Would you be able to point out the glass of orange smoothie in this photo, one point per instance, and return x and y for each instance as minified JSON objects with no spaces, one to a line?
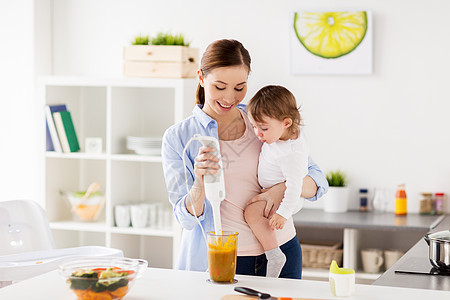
{"x":222,"y":254}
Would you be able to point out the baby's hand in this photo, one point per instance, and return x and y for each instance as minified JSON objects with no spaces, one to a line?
{"x":277,"y":222}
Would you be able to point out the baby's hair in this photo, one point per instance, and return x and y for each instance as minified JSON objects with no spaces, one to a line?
{"x":275,"y":102}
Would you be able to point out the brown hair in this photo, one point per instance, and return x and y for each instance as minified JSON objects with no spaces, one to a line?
{"x":275,"y":102}
{"x":221,"y":53}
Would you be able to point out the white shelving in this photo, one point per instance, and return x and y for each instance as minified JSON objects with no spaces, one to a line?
{"x":113,"y":109}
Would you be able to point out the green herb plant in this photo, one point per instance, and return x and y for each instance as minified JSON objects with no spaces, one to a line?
{"x":141,"y":40}
{"x":336,"y":178}
{"x":169,"y":40}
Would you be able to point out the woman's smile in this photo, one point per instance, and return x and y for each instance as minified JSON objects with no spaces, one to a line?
{"x":224,"y":106}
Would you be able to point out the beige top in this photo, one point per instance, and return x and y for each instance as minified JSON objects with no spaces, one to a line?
{"x":240,"y":166}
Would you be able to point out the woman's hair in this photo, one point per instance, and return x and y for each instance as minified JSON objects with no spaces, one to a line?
{"x":221,"y":53}
{"x":275,"y":102}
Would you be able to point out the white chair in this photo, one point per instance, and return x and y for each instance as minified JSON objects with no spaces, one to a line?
{"x":27,"y":248}
{"x":23,"y":227}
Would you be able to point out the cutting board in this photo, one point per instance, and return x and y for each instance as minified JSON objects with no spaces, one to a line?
{"x":244,"y":297}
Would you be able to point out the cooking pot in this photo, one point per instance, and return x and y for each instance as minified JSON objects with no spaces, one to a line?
{"x":439,"y":249}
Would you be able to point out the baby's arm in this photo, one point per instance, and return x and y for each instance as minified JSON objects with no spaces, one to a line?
{"x":294,"y":167}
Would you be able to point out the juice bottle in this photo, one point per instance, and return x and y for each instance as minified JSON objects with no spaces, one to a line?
{"x":400,"y":200}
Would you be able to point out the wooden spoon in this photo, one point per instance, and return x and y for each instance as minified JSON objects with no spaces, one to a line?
{"x":92,"y":188}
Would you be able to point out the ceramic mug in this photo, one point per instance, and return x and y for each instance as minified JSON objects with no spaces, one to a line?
{"x":391,"y":256}
{"x":152,"y":215}
{"x":122,"y":215}
{"x":139,"y":215}
{"x":372,"y":260}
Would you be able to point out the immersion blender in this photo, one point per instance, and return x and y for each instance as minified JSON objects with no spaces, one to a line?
{"x":214,"y":183}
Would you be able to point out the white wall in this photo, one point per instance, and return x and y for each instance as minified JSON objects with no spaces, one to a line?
{"x":18,"y":156}
{"x":382,"y":129}
{"x":25,"y":52}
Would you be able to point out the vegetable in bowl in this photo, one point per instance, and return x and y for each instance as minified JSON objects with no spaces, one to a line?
{"x":100,"y":283}
{"x":101,"y":278}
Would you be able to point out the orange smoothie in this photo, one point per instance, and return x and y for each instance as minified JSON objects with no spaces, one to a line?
{"x":222,"y":254}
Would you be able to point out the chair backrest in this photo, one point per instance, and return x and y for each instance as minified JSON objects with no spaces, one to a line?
{"x":23,"y":227}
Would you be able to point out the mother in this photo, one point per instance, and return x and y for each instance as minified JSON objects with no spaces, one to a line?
{"x":223,"y":76}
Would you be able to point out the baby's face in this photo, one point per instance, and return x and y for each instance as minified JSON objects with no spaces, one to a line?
{"x":270,"y":130}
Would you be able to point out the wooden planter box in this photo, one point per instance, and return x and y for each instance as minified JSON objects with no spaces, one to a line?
{"x":160,"y":61}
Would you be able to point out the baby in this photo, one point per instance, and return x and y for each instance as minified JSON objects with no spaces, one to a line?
{"x":275,"y":118}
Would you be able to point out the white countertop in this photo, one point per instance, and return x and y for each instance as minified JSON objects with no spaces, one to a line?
{"x":185,"y":285}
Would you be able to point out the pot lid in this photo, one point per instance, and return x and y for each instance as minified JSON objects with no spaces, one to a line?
{"x":440,"y":235}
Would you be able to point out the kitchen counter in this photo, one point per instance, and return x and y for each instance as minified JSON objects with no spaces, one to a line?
{"x":416,"y":256}
{"x":353,"y":222}
{"x":366,"y":220}
{"x":171,"y":284}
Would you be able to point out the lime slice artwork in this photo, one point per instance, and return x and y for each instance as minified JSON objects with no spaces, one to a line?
{"x":330,"y":34}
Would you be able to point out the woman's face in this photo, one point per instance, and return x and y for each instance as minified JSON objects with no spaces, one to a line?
{"x":224,"y":89}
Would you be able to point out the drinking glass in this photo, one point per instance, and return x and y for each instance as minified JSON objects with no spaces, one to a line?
{"x":222,"y":256}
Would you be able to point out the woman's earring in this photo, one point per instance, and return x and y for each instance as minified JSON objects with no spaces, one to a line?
{"x":200,"y":78}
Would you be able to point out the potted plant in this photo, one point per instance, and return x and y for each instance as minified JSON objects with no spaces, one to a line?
{"x":165,"y":55}
{"x":336,"y":199}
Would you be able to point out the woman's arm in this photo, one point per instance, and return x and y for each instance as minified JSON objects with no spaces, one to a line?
{"x":319,"y":186}
{"x":179,"y":177}
{"x":184,"y":179}
{"x":310,"y":187}
{"x":315,"y":185}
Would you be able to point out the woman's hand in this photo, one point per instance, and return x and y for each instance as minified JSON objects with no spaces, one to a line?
{"x":273,"y":197}
{"x":204,"y":163}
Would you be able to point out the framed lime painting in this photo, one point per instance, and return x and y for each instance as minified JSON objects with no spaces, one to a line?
{"x":331,"y":42}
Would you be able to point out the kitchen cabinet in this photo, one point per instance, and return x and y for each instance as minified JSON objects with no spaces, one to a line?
{"x":357,"y":230}
{"x":112,"y":109}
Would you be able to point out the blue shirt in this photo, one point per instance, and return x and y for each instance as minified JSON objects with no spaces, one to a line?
{"x":193,"y":250}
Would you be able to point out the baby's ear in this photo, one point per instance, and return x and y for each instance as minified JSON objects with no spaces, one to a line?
{"x":287,"y":122}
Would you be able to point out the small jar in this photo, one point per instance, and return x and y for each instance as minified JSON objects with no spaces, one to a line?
{"x":363,"y":200}
{"x":426,"y":204}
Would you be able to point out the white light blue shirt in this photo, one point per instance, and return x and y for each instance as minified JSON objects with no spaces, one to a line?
{"x":193,"y":251}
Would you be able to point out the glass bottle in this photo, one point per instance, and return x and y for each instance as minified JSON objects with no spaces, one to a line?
{"x":400,"y":200}
{"x":439,"y":205}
